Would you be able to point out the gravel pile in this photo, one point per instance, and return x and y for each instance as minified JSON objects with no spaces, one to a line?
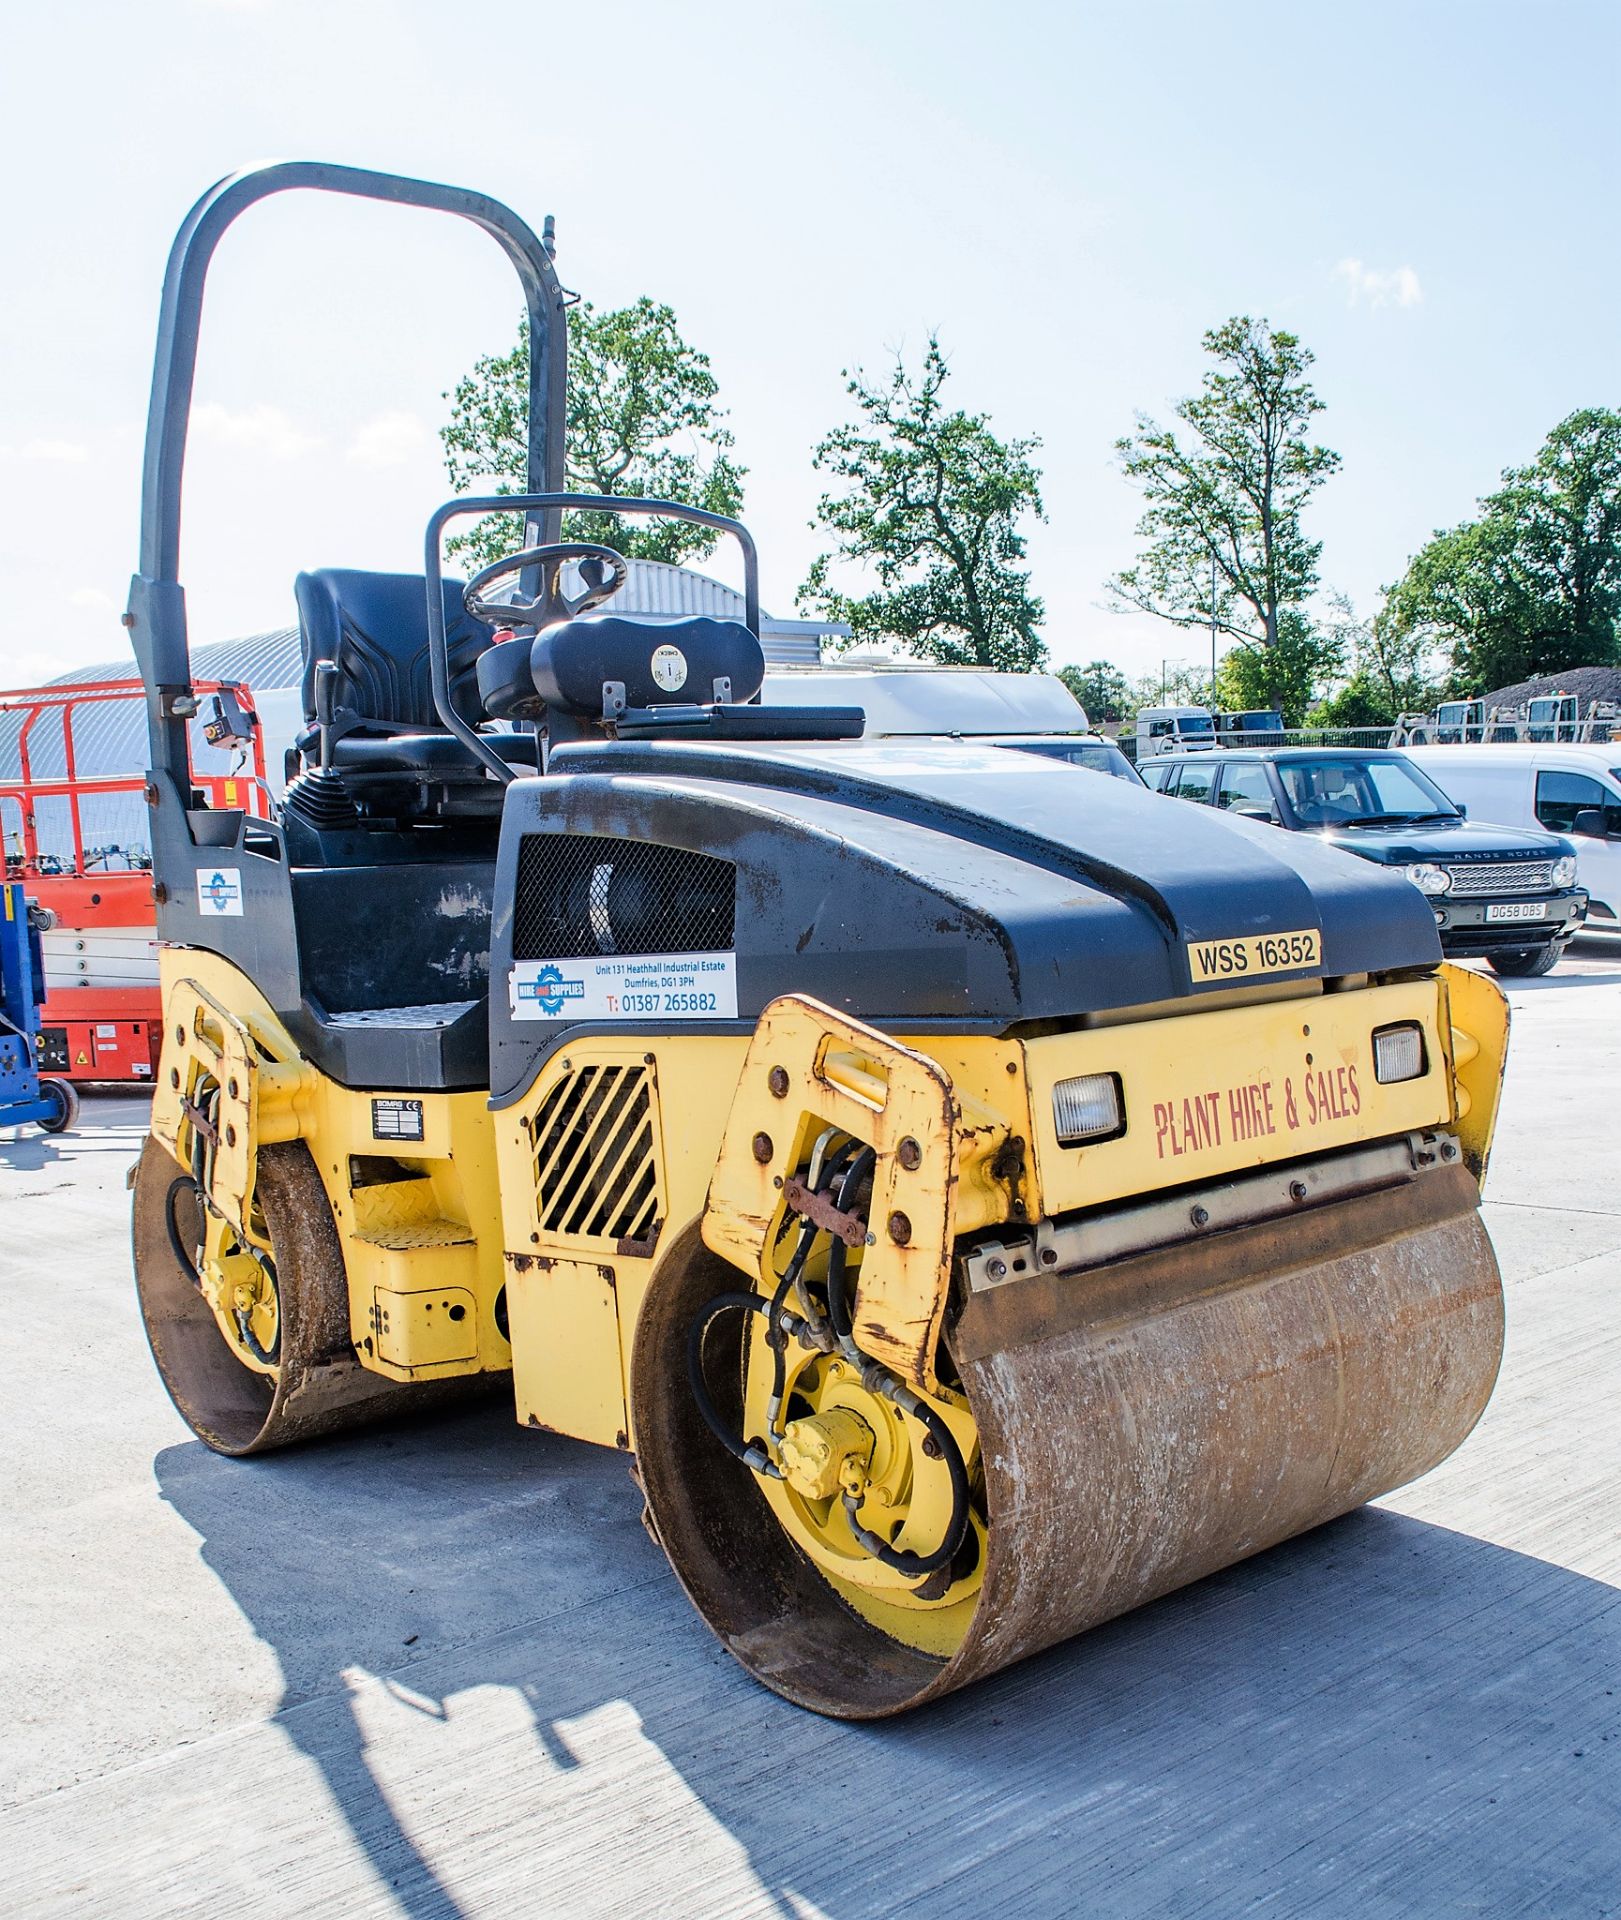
{"x":1587,"y":683}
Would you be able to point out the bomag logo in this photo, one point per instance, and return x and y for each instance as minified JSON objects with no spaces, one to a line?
{"x":549,"y":990}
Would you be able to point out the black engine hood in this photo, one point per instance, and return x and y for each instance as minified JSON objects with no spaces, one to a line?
{"x":951,"y":884}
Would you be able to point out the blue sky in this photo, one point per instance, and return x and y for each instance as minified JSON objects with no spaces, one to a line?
{"x":1070,"y":194}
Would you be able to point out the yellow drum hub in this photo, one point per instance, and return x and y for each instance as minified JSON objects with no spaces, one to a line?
{"x":840,"y":1436}
{"x":235,"y":1284}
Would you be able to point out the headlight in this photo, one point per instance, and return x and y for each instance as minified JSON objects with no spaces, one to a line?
{"x":1564,"y":871}
{"x":1398,"y":1054}
{"x":1089,"y":1107}
{"x":1429,"y":879}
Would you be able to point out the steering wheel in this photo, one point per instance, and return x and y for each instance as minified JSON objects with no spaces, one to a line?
{"x":603,"y":571}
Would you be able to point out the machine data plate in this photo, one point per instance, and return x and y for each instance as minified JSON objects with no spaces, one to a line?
{"x":396,"y":1119}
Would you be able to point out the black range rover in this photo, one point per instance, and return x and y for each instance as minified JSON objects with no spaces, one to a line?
{"x":1508,"y":893}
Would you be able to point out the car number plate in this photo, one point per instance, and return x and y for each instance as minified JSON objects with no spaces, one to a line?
{"x":1516,"y":910}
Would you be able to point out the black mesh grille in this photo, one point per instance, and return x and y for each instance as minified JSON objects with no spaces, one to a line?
{"x":581,"y":894}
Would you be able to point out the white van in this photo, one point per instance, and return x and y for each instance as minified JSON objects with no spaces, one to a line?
{"x":914,"y":699}
{"x":1575,"y":790}
{"x":1173,"y":730}
{"x":918,"y":697}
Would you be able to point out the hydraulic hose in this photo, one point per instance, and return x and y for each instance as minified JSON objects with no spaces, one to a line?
{"x":271,"y":1355}
{"x":838,"y":1309}
{"x":189,"y":1258}
{"x":848,"y":1167}
{"x":914,"y":1566}
{"x":752,"y":1456}
{"x":776,"y":1336}
{"x":781,"y":1325}
{"x":208,"y":1102}
{"x":819,"y":1179}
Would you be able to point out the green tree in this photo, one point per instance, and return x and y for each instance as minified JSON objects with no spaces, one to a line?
{"x":931,"y":504}
{"x":1223,"y":520}
{"x":1360,"y":702}
{"x":1402,"y":668}
{"x":1285,"y":675}
{"x":1101,"y":688}
{"x":1390,"y":673}
{"x":1533,"y":585}
{"x":642,"y":418}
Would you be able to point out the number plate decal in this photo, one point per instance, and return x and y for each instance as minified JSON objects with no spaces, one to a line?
{"x":1517,"y":910}
{"x":1254,"y":955}
{"x":656,"y":987}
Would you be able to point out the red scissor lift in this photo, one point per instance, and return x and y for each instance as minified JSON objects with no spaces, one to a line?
{"x":102,"y":1012}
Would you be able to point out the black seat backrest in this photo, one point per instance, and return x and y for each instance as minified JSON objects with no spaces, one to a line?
{"x":658,"y":662}
{"x":374,"y":628}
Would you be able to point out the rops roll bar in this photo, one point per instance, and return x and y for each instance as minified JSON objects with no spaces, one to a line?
{"x":551,"y":507}
{"x":157,"y":609}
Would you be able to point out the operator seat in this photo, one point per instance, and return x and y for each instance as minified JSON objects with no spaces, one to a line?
{"x":373,"y":627}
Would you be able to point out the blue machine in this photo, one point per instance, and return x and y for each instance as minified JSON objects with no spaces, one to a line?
{"x":24,"y":1096}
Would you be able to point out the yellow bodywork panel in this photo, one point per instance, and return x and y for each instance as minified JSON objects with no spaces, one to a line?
{"x":1477,"y":1046}
{"x":568,"y":1372}
{"x":1205,"y":1095}
{"x":250,"y":1077}
{"x":426,"y":1330}
{"x":566,"y":1197}
{"x":411,"y":1177}
{"x":610,"y":1145}
{"x":810,"y":1069}
{"x":1208,"y":1094}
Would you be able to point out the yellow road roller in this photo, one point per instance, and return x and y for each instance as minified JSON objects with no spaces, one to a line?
{"x":981,"y":1195}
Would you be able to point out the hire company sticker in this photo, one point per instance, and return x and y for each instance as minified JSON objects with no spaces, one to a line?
{"x":620,"y":986}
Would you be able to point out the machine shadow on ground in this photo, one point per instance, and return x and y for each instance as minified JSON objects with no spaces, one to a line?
{"x":105,"y":1114}
{"x":25,"y":1151}
{"x":1382,"y":1716}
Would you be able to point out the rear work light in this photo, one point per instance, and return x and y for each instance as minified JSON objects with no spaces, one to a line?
{"x":1089,"y":1107}
{"x":1398,"y":1054}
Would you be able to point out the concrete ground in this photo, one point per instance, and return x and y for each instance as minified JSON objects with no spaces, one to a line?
{"x":443,"y":1672}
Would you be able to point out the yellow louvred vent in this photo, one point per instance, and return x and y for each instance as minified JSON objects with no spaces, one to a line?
{"x":596,"y":1153}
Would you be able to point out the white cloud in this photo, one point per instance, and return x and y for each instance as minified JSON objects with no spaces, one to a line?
{"x":1379,"y":286}
{"x":391,"y":439}
{"x":261,"y":429}
{"x":30,"y":669}
{"x":65,"y":453}
{"x":94,"y":599}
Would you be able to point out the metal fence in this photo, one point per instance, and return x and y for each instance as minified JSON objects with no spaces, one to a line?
{"x":1371,"y":737}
